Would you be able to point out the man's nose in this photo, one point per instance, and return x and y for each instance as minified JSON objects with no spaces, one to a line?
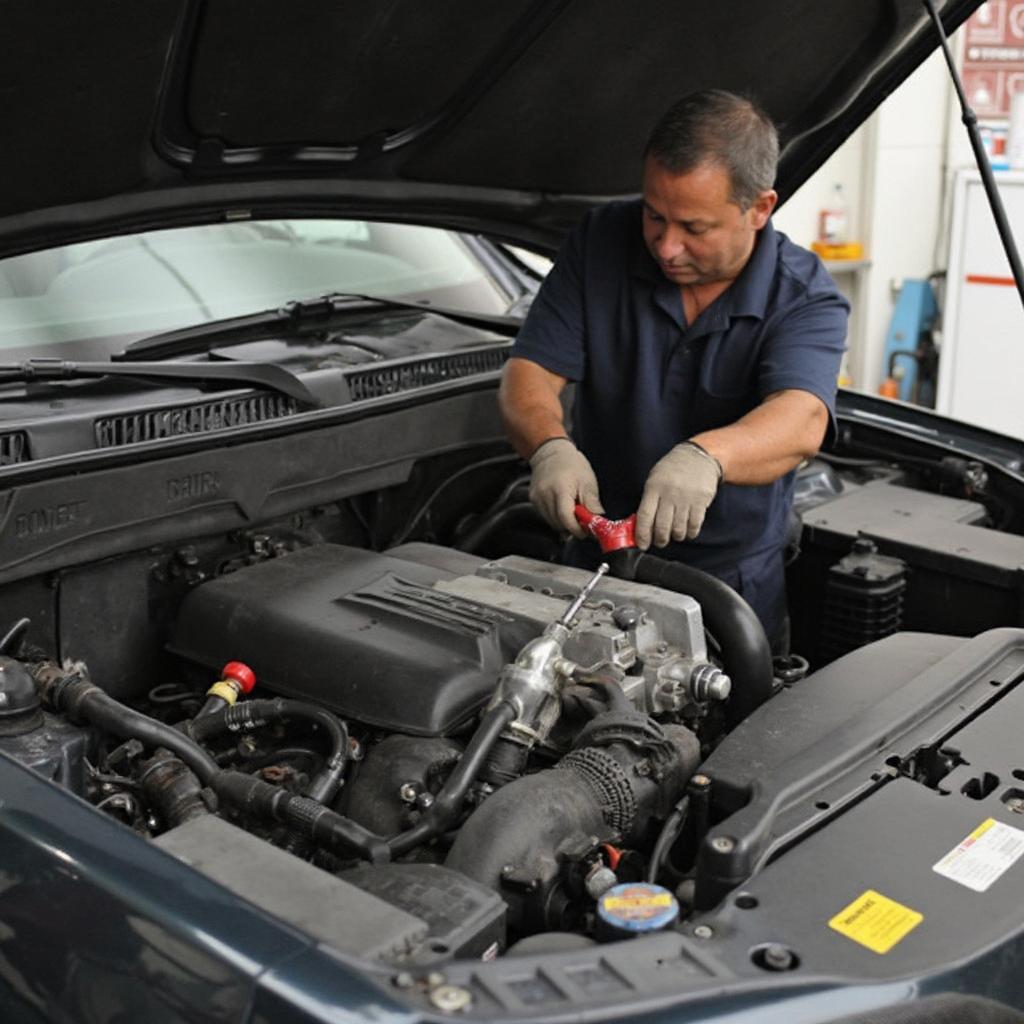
{"x":670,"y":244}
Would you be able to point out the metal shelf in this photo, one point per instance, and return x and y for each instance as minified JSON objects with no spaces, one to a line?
{"x":845,"y":266}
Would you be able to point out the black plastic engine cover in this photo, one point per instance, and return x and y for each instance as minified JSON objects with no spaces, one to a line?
{"x":359,"y":632}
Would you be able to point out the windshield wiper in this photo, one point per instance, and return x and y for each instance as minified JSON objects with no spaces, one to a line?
{"x":266,"y":375}
{"x":294,"y":315}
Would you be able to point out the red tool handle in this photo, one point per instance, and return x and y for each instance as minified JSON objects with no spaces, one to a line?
{"x":611,"y":534}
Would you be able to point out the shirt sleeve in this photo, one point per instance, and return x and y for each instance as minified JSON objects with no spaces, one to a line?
{"x":553,"y":333}
{"x":804,"y":351}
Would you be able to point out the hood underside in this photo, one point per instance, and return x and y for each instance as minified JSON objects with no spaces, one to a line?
{"x":503,"y":117}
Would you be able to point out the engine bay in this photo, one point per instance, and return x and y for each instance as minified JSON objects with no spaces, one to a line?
{"x":424,"y":751}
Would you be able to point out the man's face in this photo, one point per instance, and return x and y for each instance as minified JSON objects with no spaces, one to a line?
{"x":692,"y":229}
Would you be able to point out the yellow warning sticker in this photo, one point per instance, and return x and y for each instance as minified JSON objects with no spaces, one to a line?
{"x":876,"y":921}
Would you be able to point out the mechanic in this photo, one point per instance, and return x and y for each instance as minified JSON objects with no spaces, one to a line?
{"x":704,"y":347}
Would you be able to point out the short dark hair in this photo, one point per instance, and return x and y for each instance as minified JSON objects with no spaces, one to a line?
{"x":715,"y":126}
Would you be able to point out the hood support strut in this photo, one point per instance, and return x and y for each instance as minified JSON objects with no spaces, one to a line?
{"x":970,"y":120}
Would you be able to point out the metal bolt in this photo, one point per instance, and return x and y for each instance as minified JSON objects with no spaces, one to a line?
{"x":435,"y":978}
{"x":507,"y":870}
{"x":700,"y":780}
{"x":777,"y":957}
{"x":408,"y":792}
{"x":403,"y":980}
{"x":424,"y":800}
{"x":709,"y":682}
{"x":187,"y":556}
{"x":451,"y":998}
{"x":723,"y":844}
{"x":626,"y":617}
{"x":703,"y":931}
{"x":599,"y":881}
{"x":1016,"y":804}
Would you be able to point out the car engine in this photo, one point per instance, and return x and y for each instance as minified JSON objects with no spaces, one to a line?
{"x":463,"y":754}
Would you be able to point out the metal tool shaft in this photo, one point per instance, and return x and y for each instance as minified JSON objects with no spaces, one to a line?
{"x":573,"y":610}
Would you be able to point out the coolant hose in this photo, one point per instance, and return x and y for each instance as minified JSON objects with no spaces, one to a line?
{"x":83,"y":701}
{"x":746,"y":655}
{"x":307,"y":817}
{"x":253,"y":714}
{"x":500,"y":520}
{"x":448,"y":802}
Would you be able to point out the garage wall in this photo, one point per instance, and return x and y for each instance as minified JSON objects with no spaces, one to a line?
{"x":893,"y":170}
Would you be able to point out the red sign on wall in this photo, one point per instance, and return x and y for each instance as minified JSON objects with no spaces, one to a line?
{"x":994,"y":57}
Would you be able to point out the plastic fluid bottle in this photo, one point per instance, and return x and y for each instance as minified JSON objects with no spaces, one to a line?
{"x":833,"y":219}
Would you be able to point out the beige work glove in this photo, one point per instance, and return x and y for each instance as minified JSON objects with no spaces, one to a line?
{"x":562,"y":476}
{"x":678,"y":491}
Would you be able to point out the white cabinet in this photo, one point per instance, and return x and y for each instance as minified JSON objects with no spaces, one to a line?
{"x":981,"y":367}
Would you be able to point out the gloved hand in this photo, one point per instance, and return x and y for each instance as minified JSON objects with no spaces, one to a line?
{"x":562,"y":476}
{"x":678,"y":491}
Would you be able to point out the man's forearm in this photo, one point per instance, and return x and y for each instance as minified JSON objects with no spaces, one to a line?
{"x":531,"y":406}
{"x":770,"y":440}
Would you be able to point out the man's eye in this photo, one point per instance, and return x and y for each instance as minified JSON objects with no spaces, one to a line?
{"x":651,"y":215}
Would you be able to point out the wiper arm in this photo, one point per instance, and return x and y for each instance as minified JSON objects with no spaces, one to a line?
{"x":266,"y":375}
{"x":294,"y":315}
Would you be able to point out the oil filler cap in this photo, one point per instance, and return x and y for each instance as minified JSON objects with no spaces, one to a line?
{"x":635,"y":908}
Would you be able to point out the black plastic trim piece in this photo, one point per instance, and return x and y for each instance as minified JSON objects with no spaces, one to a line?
{"x":82,"y":516}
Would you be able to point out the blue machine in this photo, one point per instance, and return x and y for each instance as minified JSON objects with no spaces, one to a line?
{"x":912,"y":319}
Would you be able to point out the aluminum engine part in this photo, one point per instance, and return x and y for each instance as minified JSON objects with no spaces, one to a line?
{"x":654,"y":636}
{"x":533,"y":682}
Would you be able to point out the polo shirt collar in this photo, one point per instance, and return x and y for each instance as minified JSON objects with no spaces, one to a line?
{"x":749,"y":293}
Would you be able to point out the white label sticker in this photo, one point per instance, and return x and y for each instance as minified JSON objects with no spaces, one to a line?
{"x":983,"y":856}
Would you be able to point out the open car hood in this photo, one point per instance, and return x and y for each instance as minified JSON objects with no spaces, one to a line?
{"x":503,"y":117}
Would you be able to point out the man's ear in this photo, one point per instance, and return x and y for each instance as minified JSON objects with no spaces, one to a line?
{"x":761,"y":208}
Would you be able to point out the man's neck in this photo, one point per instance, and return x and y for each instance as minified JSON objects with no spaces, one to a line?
{"x":697,"y":297}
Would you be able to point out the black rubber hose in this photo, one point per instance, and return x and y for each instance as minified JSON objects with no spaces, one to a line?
{"x":13,"y":637}
{"x":746,"y":655}
{"x":83,"y":701}
{"x":667,"y":836}
{"x":448,"y":802}
{"x":304,"y":815}
{"x":501,"y":519}
{"x":253,"y":714}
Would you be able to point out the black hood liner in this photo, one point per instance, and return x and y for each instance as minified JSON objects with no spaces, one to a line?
{"x":149,"y":108}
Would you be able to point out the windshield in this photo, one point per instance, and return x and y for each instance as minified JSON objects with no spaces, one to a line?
{"x":136,"y":285}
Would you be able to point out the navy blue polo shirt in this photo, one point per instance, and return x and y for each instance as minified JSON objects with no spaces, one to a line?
{"x":607,"y":318}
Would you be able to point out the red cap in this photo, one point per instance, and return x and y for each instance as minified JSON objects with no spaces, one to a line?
{"x":611,"y":534}
{"x":241,"y":674}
